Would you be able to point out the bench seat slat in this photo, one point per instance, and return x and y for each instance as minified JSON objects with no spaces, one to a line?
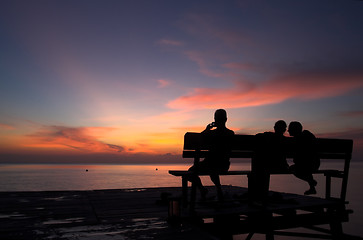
{"x":203,"y":154}
{"x":185,"y":173}
{"x":180,"y":173}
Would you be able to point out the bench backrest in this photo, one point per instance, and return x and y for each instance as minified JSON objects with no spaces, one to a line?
{"x":243,"y":147}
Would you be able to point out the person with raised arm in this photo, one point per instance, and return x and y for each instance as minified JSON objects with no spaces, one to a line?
{"x":218,"y":139}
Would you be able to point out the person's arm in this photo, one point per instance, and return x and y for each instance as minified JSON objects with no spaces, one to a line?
{"x":208,"y":127}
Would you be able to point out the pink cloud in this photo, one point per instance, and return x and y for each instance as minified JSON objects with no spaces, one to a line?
{"x":163,"y":83}
{"x":243,"y":94}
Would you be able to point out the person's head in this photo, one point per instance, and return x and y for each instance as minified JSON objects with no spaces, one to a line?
{"x":220,"y":117}
{"x":295,"y":129}
{"x":280,"y":127}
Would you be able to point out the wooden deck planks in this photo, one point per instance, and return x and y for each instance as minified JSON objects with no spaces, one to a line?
{"x":122,"y":213}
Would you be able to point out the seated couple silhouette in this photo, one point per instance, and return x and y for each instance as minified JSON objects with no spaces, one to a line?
{"x":270,"y":156}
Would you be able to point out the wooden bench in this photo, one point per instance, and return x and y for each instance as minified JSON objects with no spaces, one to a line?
{"x":243,"y":147}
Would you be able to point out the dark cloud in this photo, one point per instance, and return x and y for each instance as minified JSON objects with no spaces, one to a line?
{"x":116,"y":147}
{"x":351,"y":114}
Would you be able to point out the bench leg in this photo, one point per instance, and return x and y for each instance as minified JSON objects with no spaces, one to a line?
{"x":250,"y":235}
{"x":336,"y":229}
{"x":328,"y":186}
{"x":193,"y":196}
{"x":270,"y":236}
{"x":268,"y":227}
{"x":185,"y":191}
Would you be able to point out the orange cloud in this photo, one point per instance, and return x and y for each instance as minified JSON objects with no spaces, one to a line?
{"x":243,"y":94}
{"x":170,"y":117}
{"x":6,"y":126}
{"x":82,"y":138}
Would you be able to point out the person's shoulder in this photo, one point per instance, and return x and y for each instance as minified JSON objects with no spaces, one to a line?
{"x":265,"y":134}
{"x":308,"y":133}
{"x":225,"y":132}
{"x":231,"y":132}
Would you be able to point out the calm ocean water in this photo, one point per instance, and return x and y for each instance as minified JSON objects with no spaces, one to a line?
{"x":47,"y":177}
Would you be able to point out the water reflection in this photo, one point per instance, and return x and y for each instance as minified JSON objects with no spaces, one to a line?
{"x":42,"y":177}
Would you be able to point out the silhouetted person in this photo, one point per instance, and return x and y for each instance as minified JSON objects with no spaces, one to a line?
{"x":269,"y":157}
{"x":270,"y":149}
{"x":218,"y":138}
{"x":306,"y":159}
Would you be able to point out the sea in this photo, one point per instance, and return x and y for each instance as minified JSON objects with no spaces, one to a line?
{"x":54,"y":177}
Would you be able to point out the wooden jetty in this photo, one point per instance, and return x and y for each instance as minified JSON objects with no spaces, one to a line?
{"x":143,"y":214}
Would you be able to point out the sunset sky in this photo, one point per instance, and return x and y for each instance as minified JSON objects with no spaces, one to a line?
{"x":121,"y":81}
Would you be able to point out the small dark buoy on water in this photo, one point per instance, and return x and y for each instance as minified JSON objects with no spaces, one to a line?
{"x":86,"y":170}
{"x":156,"y":169}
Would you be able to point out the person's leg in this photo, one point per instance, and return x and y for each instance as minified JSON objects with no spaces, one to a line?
{"x":305,"y":175}
{"x":312,"y":183}
{"x":258,"y":180}
{"x":215,"y":179}
{"x":195,"y":179}
{"x":265,"y":185}
{"x":310,"y":179}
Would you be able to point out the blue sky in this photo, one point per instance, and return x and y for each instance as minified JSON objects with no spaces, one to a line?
{"x":125,"y":78}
